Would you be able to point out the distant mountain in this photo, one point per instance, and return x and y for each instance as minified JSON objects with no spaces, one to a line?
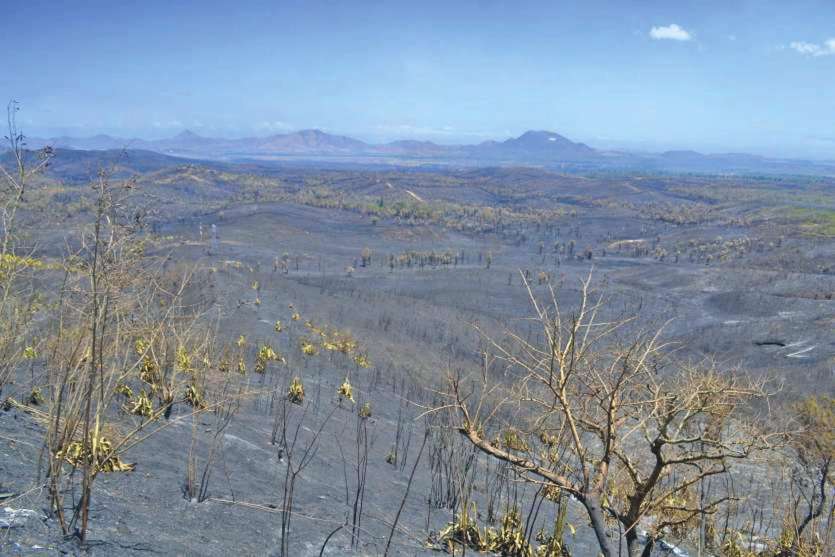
{"x":540,"y":148}
{"x":96,"y":143}
{"x":313,"y":142}
{"x":695,"y":158}
{"x":535,"y":146}
{"x":743,"y":163}
{"x":414,"y":148}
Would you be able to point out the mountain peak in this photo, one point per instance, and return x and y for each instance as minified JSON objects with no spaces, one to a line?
{"x":541,"y":136}
{"x":311,"y":141}
{"x":186,"y":134}
{"x":539,"y":145}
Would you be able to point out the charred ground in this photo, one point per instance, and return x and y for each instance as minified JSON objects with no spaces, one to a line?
{"x":738,"y":269}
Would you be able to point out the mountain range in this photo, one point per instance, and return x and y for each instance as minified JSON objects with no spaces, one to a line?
{"x":539,"y":148}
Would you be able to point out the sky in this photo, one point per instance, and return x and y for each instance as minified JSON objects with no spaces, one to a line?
{"x":710,"y":75}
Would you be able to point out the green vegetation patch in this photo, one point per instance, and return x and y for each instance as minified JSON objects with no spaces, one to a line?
{"x":815,"y":222}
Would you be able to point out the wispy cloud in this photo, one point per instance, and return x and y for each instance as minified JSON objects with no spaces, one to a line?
{"x":827,"y":48}
{"x":672,"y":32}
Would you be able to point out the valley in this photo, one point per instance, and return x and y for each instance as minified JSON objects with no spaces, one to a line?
{"x":423,"y":269}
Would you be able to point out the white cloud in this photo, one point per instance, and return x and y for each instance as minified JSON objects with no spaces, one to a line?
{"x":814,"y":49}
{"x":672,"y":32}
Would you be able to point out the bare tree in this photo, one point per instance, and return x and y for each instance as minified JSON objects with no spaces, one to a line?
{"x":17,"y":295}
{"x":809,"y":524}
{"x":584,"y":412}
{"x":114,"y":324}
{"x":297,"y":456}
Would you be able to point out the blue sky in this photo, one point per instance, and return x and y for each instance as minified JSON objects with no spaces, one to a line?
{"x":710,"y":75}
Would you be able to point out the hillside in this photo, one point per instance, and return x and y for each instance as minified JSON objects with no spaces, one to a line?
{"x":392,"y":280}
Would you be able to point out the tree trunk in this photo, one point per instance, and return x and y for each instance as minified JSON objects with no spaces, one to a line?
{"x":813,"y":511}
{"x":648,"y":547}
{"x":633,"y":545}
{"x":595,"y":512}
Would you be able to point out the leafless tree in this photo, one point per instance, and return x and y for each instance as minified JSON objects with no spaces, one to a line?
{"x":17,"y":295}
{"x":586,"y":413}
{"x":297,"y":455}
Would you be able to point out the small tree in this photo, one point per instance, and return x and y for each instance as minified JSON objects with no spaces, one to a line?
{"x":115,"y":325}
{"x":813,"y":477}
{"x":597,"y":418}
{"x":18,"y":298}
{"x":365,"y":256}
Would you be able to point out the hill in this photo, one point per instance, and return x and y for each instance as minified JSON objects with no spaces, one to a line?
{"x":533,"y":148}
